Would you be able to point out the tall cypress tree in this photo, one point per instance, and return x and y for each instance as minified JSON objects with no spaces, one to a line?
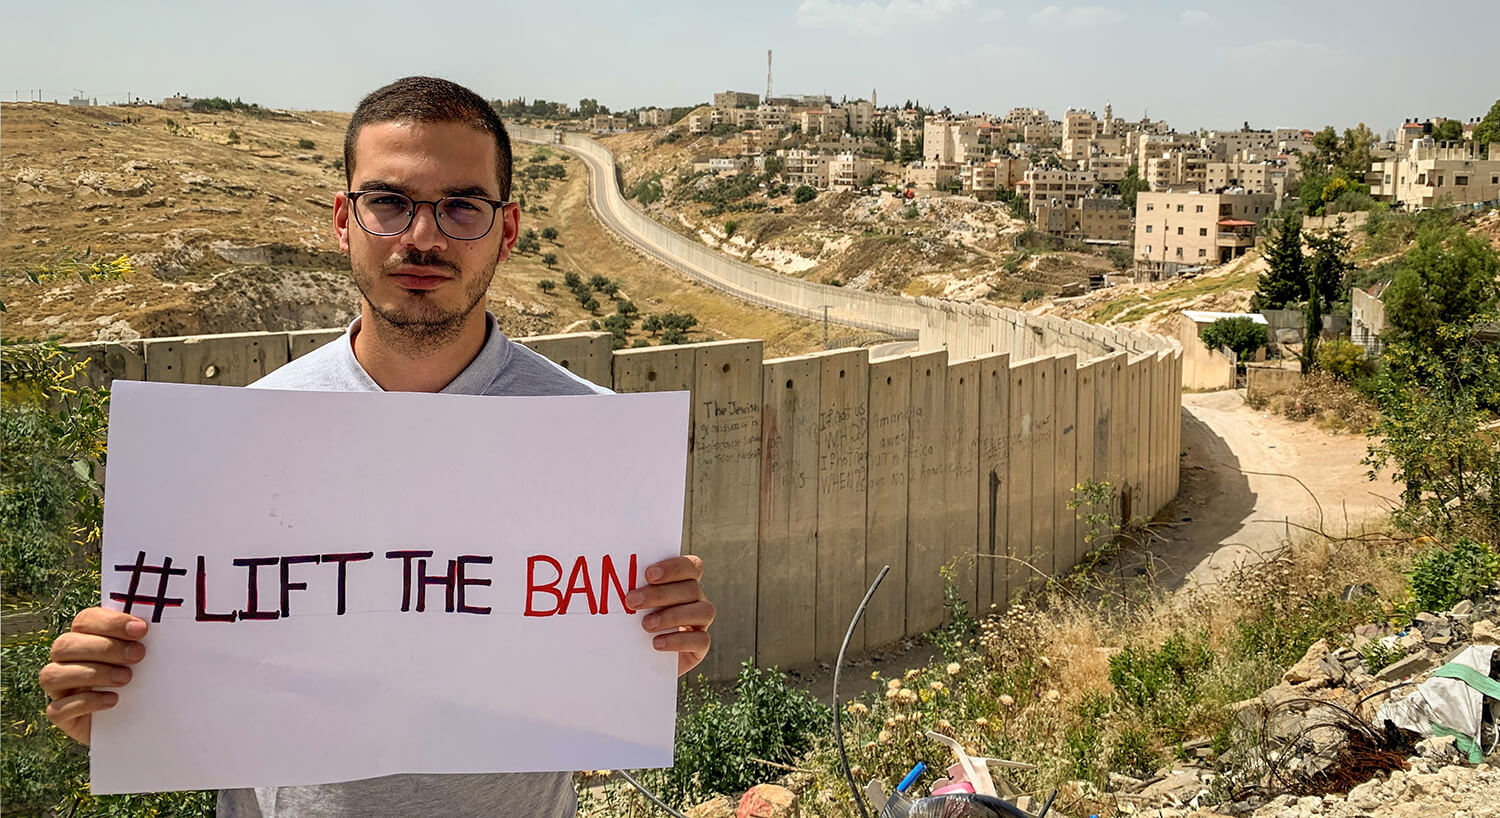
{"x":1285,"y":282}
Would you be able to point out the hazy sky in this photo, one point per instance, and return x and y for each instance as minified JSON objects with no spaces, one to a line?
{"x":1195,"y":63}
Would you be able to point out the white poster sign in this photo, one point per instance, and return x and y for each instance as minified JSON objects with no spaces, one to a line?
{"x":348,"y":585}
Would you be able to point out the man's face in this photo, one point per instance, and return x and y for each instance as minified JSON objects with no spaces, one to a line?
{"x":421,"y":281}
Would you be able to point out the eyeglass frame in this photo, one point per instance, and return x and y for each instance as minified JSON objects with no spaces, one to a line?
{"x":498,"y":206}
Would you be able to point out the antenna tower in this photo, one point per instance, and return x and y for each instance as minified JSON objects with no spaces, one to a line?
{"x":768,"y":76}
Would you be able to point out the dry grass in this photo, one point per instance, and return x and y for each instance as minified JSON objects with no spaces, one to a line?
{"x":1328,"y":402}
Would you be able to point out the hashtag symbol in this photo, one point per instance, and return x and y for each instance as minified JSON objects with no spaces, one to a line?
{"x":165,"y":571}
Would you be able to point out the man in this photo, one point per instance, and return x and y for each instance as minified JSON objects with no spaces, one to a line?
{"x":425,"y":223}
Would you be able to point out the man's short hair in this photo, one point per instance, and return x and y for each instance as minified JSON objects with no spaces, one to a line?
{"x":430,"y":100}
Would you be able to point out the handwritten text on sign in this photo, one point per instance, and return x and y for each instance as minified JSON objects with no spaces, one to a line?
{"x":346,"y":585}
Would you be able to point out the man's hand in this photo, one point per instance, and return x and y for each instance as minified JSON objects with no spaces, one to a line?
{"x":97,"y":652}
{"x":682,"y":611}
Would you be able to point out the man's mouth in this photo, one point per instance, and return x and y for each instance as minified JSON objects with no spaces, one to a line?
{"x":417,"y":277}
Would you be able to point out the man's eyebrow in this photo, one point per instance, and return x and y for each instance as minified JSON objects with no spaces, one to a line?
{"x":469,"y":190}
{"x":380,"y":184}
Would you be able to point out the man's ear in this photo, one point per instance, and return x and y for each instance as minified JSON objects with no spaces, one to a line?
{"x":510,"y":219}
{"x":341,"y":214}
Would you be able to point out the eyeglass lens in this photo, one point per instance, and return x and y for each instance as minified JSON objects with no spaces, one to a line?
{"x":460,"y":217}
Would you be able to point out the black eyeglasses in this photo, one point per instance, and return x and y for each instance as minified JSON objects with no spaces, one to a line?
{"x":387,"y":213}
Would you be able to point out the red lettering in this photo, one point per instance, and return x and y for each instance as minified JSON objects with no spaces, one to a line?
{"x":532,"y":588}
{"x":580,"y":571}
{"x":608,"y":576}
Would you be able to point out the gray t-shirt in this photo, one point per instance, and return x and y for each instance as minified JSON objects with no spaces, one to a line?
{"x":502,"y":367}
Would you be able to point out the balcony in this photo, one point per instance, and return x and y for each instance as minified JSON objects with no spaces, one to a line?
{"x":1235,"y":233}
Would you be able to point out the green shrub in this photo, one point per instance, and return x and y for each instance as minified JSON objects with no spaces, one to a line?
{"x":547,"y":285}
{"x":572,"y":280}
{"x":804,"y":194}
{"x":1141,"y":675}
{"x":1443,"y":577}
{"x":305,"y":144}
{"x":1344,"y":360}
{"x":1241,"y":334}
{"x":717,"y":743}
{"x":1132,"y":753}
{"x":1032,"y":294}
{"x":549,"y":233}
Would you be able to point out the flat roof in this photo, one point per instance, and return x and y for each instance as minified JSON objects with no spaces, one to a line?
{"x":1205,"y":317}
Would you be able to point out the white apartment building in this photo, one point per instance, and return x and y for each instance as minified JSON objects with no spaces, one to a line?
{"x":1225,"y":144}
{"x":1434,"y":174}
{"x":1185,"y":169}
{"x":1079,"y":129}
{"x":832,"y":121}
{"x":1107,"y":167}
{"x":759,"y":140}
{"x":775,"y":117}
{"x":1268,"y":176}
{"x":804,"y":167}
{"x":985,"y":176}
{"x":950,"y":140}
{"x":860,"y":115}
{"x":1176,"y":230}
{"x":609,"y":123}
{"x":654,"y":117}
{"x":848,"y":171}
{"x":930,"y":174}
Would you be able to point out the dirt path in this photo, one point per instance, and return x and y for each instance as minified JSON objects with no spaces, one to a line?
{"x":1231,"y":508}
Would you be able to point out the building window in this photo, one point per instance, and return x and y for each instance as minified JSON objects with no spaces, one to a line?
{"x":1179,"y":231}
{"x":1179,"y":208}
{"x":1148,"y":249}
{"x":1148,"y":228}
{"x":1200,"y":209}
{"x":1179,"y":252}
{"x":1461,"y":181}
{"x":1203,"y":231}
{"x":1202,"y":253}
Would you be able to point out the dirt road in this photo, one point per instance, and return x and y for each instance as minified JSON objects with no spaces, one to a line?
{"x":1231,"y":508}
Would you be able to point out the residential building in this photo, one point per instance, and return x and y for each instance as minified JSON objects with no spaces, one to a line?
{"x":654,"y":117}
{"x":1437,"y":174}
{"x":824,"y":121}
{"x":743,"y":117}
{"x":1092,"y":218}
{"x":1185,"y":169}
{"x":759,"y":140}
{"x":1107,"y":167}
{"x":775,"y":117}
{"x":1055,"y":187}
{"x":1266,"y":176}
{"x":930,"y":174}
{"x":1038,"y":133}
{"x":985,"y":176}
{"x":860,"y":114}
{"x":736,"y":99}
{"x":1021,"y":117}
{"x":1225,"y":144}
{"x":804,"y":167}
{"x":728,"y":164}
{"x":950,"y":140}
{"x":1149,"y":145}
{"x":908,"y":135}
{"x":608,"y":123}
{"x":176,"y":102}
{"x":1186,"y":229}
{"x":848,"y":171}
{"x":700,"y":123}
{"x":1079,"y":129}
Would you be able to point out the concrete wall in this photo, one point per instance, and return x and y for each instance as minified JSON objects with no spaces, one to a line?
{"x":1202,"y":368}
{"x":1265,"y":381}
{"x":807,"y":474}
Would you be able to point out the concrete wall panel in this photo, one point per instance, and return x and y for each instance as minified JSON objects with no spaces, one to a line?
{"x":726,"y":459}
{"x":1065,"y":539}
{"x":1087,"y":429}
{"x":585,"y":354}
{"x":961,"y":481}
{"x":1130,"y":462}
{"x":843,"y":444}
{"x":661,"y":369}
{"x":1021,"y":491}
{"x":301,"y":342}
{"x":234,"y":359}
{"x":1043,"y":551}
{"x":994,"y":481}
{"x":787,"y":611}
{"x":926,"y":523}
{"x":108,"y":361}
{"x":885,"y":503}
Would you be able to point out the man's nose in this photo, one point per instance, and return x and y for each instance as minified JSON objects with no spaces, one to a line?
{"x":423,"y":234}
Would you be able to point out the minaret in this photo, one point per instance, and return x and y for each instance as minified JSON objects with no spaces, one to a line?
{"x":873,"y":103}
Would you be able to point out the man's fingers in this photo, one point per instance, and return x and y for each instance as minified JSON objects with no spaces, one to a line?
{"x":661,"y":596}
{"x":58,"y":679}
{"x":104,"y":622}
{"x":694,"y":642}
{"x":84,"y":647}
{"x":69,"y":709}
{"x":698,"y":614}
{"x":675,"y":569}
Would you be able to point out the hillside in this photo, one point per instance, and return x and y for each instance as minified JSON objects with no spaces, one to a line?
{"x":236,"y":237}
{"x":938,"y":245}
